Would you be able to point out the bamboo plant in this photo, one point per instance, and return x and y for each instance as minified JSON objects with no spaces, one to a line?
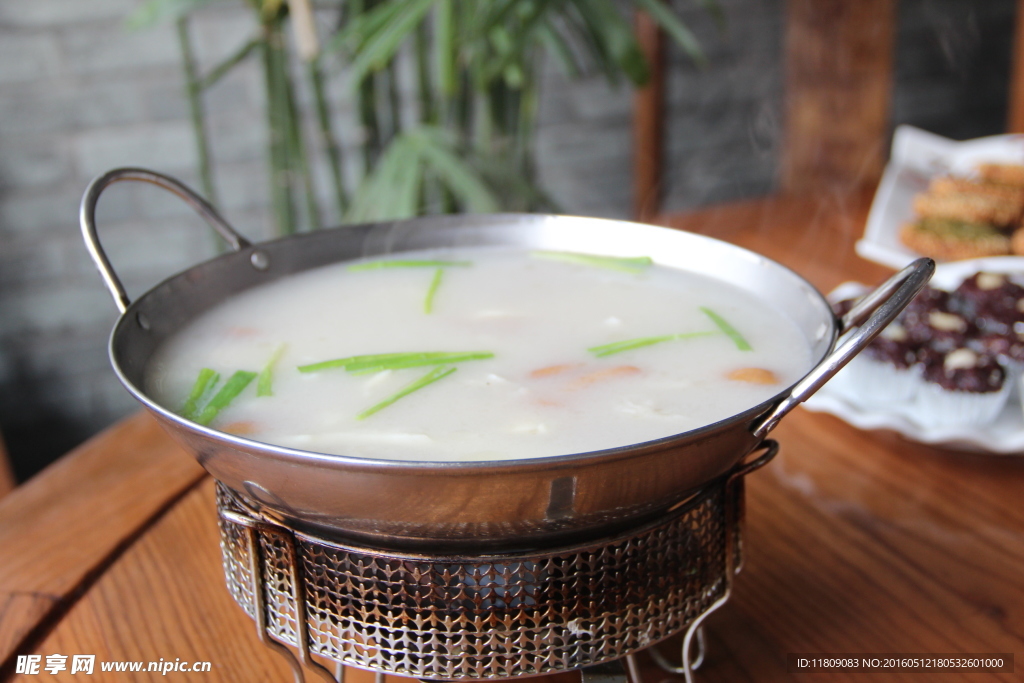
{"x":463,"y":141}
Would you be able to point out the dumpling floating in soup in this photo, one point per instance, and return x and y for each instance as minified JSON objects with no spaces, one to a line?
{"x":477,"y":354}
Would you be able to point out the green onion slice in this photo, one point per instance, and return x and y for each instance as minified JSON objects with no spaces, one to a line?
{"x":428,"y":302}
{"x":628,"y":265}
{"x":232,"y":388}
{"x":429,"y":378}
{"x":396,"y":361}
{"x":730,"y":331}
{"x":406,"y":263}
{"x":265,"y":380}
{"x":205,"y":382}
{"x":640,"y":342}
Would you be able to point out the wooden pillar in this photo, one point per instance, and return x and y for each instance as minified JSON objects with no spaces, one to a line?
{"x":1015,"y":120}
{"x":649,"y":123}
{"x":7,"y":482}
{"x":838,"y":85}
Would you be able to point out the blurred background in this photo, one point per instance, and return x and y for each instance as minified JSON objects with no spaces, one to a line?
{"x":526,"y":106}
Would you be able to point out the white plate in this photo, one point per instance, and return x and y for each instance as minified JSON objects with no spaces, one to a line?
{"x":1004,"y":436}
{"x":917,"y":156}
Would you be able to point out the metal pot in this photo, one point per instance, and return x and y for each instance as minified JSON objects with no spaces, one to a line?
{"x":525,"y":503}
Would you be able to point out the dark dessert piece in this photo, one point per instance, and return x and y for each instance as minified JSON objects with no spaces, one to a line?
{"x":894,"y":346}
{"x":933,"y":319}
{"x":993,"y":300}
{"x":1009,"y":346}
{"x":929,"y":299}
{"x":965,"y":370}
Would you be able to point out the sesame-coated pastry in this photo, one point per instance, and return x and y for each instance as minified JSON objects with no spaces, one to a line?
{"x":949,"y":240}
{"x":1006,"y":174}
{"x":946,"y":185}
{"x":969,"y":207}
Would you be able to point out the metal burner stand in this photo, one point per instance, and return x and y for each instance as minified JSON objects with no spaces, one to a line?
{"x":493,"y":616}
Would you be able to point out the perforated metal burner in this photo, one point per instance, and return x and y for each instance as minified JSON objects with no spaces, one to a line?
{"x":446,"y":617}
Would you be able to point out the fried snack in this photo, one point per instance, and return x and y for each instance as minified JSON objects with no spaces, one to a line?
{"x":952,"y":240}
{"x":1005,"y":174}
{"x":968,"y":208}
{"x":944,"y":185}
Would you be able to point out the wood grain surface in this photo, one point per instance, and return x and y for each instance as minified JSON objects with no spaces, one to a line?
{"x":62,"y":528}
{"x":856,"y":542}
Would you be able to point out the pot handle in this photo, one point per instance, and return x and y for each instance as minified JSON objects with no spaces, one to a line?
{"x":869,"y":317}
{"x":87,"y":218}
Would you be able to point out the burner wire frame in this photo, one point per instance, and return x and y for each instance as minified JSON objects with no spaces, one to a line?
{"x":278,"y":560}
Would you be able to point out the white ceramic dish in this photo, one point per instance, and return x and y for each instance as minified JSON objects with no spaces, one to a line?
{"x":1005,"y":436}
{"x":917,"y":156}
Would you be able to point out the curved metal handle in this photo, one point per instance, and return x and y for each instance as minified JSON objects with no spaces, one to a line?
{"x":87,"y":218}
{"x":745,"y":467}
{"x":879,"y":309}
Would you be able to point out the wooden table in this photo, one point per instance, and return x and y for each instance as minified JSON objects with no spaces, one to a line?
{"x":856,"y":541}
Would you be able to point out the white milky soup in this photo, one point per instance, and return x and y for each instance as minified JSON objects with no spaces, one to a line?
{"x":477,"y":354}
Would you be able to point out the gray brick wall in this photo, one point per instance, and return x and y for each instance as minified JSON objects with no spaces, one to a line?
{"x":79,"y":95}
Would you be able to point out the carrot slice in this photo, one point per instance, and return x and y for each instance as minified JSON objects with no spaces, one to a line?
{"x":601,"y":375}
{"x":753,"y":376}
{"x":552,"y":370}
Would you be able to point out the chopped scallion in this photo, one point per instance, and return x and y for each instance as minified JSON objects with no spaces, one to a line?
{"x":428,"y":302}
{"x":429,"y":378}
{"x":205,"y":382}
{"x":628,"y":265}
{"x":394,"y":361}
{"x":640,"y":342}
{"x":730,"y":331}
{"x":232,"y":388}
{"x":265,"y":381}
{"x":399,"y":263}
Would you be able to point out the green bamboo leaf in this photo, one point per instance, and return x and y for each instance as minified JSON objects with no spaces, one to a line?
{"x":615,"y":34}
{"x":590,"y":42}
{"x":444,"y":46}
{"x":376,"y":197}
{"x":461,"y":178}
{"x":360,"y":27}
{"x":514,"y":45}
{"x":557,"y":44}
{"x":682,"y":36}
{"x":153,"y":12}
{"x":493,"y":14}
{"x":229,"y":63}
{"x":380,"y":47}
{"x":406,"y":189}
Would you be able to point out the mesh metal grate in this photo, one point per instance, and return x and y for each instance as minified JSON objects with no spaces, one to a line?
{"x":491,"y":616}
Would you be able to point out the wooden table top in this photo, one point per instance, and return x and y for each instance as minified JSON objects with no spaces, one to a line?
{"x":856,"y":542}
